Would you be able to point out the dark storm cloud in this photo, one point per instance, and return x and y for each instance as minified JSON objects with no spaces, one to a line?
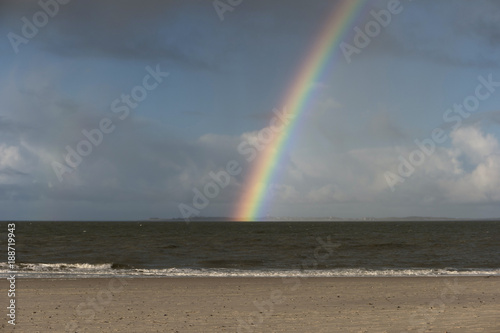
{"x":466,"y":33}
{"x":135,"y":30}
{"x":185,"y":32}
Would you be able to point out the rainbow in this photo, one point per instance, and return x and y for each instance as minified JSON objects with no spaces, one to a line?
{"x":251,"y":203}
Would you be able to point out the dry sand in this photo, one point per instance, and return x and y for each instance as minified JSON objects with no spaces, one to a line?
{"x":465,"y":304}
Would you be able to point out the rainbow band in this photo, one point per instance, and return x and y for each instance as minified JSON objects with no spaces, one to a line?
{"x":252,"y":201}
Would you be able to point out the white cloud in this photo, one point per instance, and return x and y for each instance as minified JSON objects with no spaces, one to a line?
{"x":482,"y":184}
{"x":9,"y":157}
{"x":473,"y":144}
{"x":468,"y":171}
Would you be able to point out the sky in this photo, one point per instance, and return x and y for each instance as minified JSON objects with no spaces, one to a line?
{"x":408,"y":125}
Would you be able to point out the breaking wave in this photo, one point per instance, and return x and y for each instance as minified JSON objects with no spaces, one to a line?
{"x":85,"y":270}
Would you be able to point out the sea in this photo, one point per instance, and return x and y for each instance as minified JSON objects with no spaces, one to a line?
{"x":253,"y":249}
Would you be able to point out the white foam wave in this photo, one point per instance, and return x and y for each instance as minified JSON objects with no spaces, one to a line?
{"x":84,"y":270}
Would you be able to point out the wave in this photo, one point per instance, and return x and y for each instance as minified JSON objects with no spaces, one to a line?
{"x":85,"y":270}
{"x":62,"y":267}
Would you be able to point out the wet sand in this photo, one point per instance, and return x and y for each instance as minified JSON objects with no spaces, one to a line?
{"x":430,"y":304}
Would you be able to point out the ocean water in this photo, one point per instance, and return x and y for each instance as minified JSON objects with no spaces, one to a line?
{"x":174,"y":249}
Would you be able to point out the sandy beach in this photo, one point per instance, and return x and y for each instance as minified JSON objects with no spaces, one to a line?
{"x":423,"y":304}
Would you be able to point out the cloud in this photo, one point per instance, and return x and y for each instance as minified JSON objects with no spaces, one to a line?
{"x":473,"y":144}
{"x":142,"y":163}
{"x":466,"y":172}
{"x":482,"y":183}
{"x":465,"y":34}
{"x":151,"y":30}
{"x":9,"y":157}
{"x":139,"y":162}
{"x":188,"y":33}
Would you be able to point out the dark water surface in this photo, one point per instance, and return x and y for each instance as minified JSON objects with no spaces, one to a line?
{"x":256,"y":249}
